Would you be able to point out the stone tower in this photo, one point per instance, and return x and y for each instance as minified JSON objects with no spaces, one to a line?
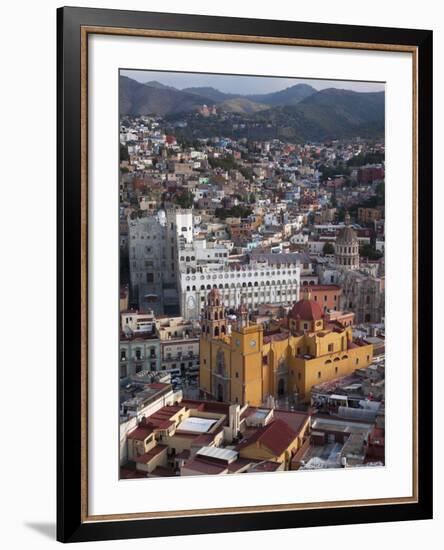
{"x":214,"y":323}
{"x":347,"y":247}
{"x":242,"y":314}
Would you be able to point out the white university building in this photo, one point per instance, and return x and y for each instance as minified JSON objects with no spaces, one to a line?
{"x":169,"y":269}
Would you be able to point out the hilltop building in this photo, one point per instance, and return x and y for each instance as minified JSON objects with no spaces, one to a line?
{"x":241,"y":363}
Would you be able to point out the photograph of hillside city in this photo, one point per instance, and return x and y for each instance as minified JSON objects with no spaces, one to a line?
{"x":252,"y":296}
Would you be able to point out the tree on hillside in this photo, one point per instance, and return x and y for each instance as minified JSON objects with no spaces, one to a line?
{"x":123,"y":152}
{"x":185,"y":199}
{"x":367,"y":251}
{"x":238,"y":211}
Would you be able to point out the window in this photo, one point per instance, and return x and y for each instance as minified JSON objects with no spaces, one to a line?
{"x":237,"y":374}
{"x":319,"y":374}
{"x":150,"y":277}
{"x":330,"y":347}
{"x":123,"y":355}
{"x":336,"y":370}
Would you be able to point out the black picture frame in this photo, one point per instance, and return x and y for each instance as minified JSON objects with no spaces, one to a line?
{"x":71,"y":526}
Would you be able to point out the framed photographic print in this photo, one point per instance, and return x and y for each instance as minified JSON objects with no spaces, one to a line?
{"x":245,"y":265}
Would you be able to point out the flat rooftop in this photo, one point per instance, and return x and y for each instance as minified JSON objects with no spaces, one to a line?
{"x":338,"y":426}
{"x":218,"y":453}
{"x":196,"y":425}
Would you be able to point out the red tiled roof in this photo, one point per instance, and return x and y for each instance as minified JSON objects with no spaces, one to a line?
{"x":268,"y":466}
{"x":145,"y":458}
{"x":185,"y":454}
{"x":294,"y":420}
{"x":138,"y":336}
{"x":140,"y":433}
{"x":161,"y":419}
{"x":276,"y":436}
{"x":307,"y":310}
{"x":204,"y":439}
{"x":207,"y":406}
{"x":126,"y":473}
{"x":204,"y":467}
{"x":161,"y":471}
{"x":321,"y":287}
{"x":238,"y":464}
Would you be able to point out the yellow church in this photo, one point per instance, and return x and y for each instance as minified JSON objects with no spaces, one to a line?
{"x":239,"y":363}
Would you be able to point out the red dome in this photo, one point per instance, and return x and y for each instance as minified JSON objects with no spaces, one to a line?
{"x":306,"y":310}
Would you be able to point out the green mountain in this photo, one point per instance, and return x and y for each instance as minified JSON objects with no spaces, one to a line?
{"x":241,"y":105}
{"x":329,"y":114}
{"x":141,"y":99}
{"x":290,"y":96}
{"x":209,"y":92}
{"x":157,"y":84}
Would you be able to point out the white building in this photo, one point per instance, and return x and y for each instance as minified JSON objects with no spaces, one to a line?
{"x":266,"y":282}
{"x":171,"y":270}
{"x":299,"y":239}
{"x":133,"y":322}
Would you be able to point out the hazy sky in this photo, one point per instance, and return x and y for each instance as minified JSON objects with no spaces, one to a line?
{"x":245,"y":84}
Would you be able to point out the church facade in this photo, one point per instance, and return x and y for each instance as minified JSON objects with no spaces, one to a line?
{"x":240,"y":363}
